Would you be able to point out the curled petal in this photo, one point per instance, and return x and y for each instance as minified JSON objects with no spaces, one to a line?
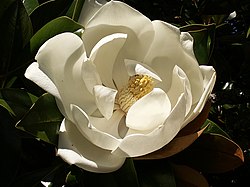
{"x":180,"y":84}
{"x":134,"y":67}
{"x":115,"y":17}
{"x":90,"y":75}
{"x":209,"y":78}
{"x":34,"y":74}
{"x":109,"y":126}
{"x":76,"y":149}
{"x":90,"y":7}
{"x":105,"y":100}
{"x":104,"y":55}
{"x":99,"y":138}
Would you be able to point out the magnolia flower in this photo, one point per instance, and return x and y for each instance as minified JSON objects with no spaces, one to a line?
{"x":126,"y":88}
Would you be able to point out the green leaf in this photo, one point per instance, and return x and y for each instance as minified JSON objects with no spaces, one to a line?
{"x":75,"y":9}
{"x":214,"y":128}
{"x":212,"y":153}
{"x":16,"y":31}
{"x":123,"y":177}
{"x":152,"y":173}
{"x":128,"y":170}
{"x":43,"y":119}
{"x":16,"y":101}
{"x":10,"y":148}
{"x":54,"y":27}
{"x":30,"y":5}
{"x":204,"y":36}
{"x":48,"y":11}
{"x":4,"y":5}
{"x":185,"y":177}
{"x":34,"y":178}
{"x":248,"y":32}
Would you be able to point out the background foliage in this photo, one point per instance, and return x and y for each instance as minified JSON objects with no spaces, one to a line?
{"x":28,"y":136}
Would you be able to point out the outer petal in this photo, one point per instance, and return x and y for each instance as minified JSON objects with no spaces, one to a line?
{"x":140,"y":144}
{"x":104,"y":55}
{"x":209,"y":78}
{"x":170,"y":48}
{"x":105,"y":100}
{"x":97,"y":137}
{"x":75,"y":149}
{"x":149,"y":112}
{"x":61,"y":58}
{"x":37,"y":76}
{"x":89,"y":8}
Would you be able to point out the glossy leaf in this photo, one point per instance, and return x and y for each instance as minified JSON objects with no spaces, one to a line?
{"x":248,"y":32}
{"x":75,"y":9}
{"x":43,"y":119}
{"x":214,"y":128}
{"x":16,"y":31}
{"x":16,"y":101}
{"x":152,"y":173}
{"x":36,"y":178}
{"x":30,"y":5}
{"x":188,"y":177}
{"x":10,"y":148}
{"x":212,"y":153}
{"x":124,"y":177}
{"x":54,"y":27}
{"x":204,"y":36}
{"x":48,"y":11}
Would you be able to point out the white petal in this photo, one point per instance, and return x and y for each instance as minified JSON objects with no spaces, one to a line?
{"x":75,"y":149}
{"x":134,"y":67}
{"x":170,"y":47}
{"x":61,"y":58}
{"x":180,"y":84}
{"x":90,"y":7}
{"x":209,"y":76}
{"x":105,"y":100}
{"x":109,"y":126}
{"x":104,"y":55}
{"x":34,"y":74}
{"x":99,"y":138}
{"x":115,"y":17}
{"x":150,"y":111}
{"x":141,"y":144}
{"x":90,"y":75}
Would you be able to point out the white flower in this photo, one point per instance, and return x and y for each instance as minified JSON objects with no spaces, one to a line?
{"x":126,"y":88}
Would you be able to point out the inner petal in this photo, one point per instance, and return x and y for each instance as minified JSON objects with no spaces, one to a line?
{"x":104,"y":54}
{"x":105,"y":100}
{"x":134,"y":67}
{"x":150,"y":111}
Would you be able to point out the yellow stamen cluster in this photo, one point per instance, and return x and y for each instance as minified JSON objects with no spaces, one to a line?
{"x":137,"y":87}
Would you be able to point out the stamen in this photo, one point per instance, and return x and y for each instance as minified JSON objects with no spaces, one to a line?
{"x":137,"y":87}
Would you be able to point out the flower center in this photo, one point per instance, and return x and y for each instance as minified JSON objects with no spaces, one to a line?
{"x":137,"y":87}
